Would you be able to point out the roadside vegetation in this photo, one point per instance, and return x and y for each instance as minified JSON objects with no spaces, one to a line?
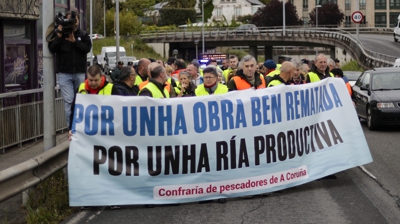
{"x":351,"y":66}
{"x":49,"y":203}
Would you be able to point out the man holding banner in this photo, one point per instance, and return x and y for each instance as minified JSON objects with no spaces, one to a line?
{"x":242,"y":143}
{"x":95,"y":83}
{"x":319,"y":70}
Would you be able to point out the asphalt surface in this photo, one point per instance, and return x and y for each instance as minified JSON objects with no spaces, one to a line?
{"x":367,"y":194}
{"x":383,"y":44}
{"x":338,"y":200}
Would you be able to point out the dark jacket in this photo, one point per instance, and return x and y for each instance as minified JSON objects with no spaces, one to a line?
{"x":115,"y":74}
{"x":320,"y":75}
{"x":257,"y":80}
{"x":125,"y":90}
{"x":189,"y":92}
{"x":299,"y":82}
{"x":71,"y":57}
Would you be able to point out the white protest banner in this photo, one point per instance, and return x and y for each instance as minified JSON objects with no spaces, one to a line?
{"x":140,"y":150}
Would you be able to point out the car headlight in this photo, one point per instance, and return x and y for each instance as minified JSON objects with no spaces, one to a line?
{"x":385,"y":105}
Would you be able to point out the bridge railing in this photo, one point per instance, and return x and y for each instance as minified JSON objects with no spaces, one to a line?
{"x":21,"y":116}
{"x":344,"y":37}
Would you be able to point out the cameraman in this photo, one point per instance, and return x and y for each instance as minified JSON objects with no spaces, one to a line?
{"x":71,"y":50}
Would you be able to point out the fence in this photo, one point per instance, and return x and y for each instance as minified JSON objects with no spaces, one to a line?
{"x":21,"y":116}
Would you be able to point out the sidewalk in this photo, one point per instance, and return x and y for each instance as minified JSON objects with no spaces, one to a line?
{"x":11,"y":211}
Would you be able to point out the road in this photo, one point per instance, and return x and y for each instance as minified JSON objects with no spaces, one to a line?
{"x":354,"y":197}
{"x":383,"y":44}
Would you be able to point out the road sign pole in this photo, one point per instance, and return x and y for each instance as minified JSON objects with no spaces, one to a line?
{"x":357,"y":17}
{"x":357,"y":24}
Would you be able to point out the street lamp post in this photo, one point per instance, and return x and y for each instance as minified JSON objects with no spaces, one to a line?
{"x":104,"y":18}
{"x":196,"y":42}
{"x":202,"y":24}
{"x":284,"y":18}
{"x":316,"y":21}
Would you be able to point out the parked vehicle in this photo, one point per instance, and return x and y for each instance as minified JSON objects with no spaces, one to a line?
{"x":352,"y":76}
{"x":396,"y":33}
{"x":110,"y":52}
{"x":96,"y":36}
{"x":245,"y":29}
{"x":377,"y":96}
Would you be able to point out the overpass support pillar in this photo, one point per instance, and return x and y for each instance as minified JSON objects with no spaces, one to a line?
{"x":268,"y":52}
{"x":332,"y":52}
{"x":253,"y":51}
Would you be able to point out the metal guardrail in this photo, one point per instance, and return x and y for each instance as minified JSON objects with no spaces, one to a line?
{"x":342,"y":36}
{"x":16,"y":179}
{"x":21,"y":116}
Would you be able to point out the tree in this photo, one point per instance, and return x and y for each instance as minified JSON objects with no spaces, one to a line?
{"x":329,"y":14}
{"x":245,"y":19}
{"x":139,"y":7}
{"x":271,"y":15}
{"x":180,"y":3}
{"x":128,"y":23}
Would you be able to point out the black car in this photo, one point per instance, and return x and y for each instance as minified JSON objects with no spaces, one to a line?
{"x":377,"y":96}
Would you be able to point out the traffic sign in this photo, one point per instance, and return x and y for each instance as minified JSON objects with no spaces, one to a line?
{"x":357,"y":17}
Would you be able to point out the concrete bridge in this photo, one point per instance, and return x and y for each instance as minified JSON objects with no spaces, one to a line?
{"x":330,"y":38}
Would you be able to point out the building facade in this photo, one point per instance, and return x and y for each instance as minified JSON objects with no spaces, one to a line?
{"x":21,"y":26}
{"x":377,"y":13}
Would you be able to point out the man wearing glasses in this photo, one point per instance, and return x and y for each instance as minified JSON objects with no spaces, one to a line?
{"x":210,"y":85}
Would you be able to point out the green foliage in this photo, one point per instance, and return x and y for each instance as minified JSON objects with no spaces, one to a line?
{"x":49,"y":203}
{"x":138,"y":6}
{"x":222,"y":23}
{"x":265,"y":1}
{"x":245,"y":19}
{"x":271,"y":15}
{"x":176,"y":16}
{"x":234,"y":23}
{"x":128,"y":23}
{"x":208,"y":9}
{"x":180,"y":3}
{"x":351,"y":66}
{"x":329,"y":14}
{"x":239,"y":53}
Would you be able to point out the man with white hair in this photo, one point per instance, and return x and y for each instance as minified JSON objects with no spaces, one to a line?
{"x":247,"y":76}
{"x":319,"y":70}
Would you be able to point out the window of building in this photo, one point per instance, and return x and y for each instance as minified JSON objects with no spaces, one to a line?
{"x":321,"y":2}
{"x":380,"y":4}
{"x":238,"y":12}
{"x":362,"y":4}
{"x":347,"y":4}
{"x":394,"y":4}
{"x":305,"y":5}
{"x":219,"y":12}
{"x":17,"y":39}
{"x":393,"y":18}
{"x":380,"y":19}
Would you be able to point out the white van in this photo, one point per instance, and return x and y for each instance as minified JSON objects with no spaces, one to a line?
{"x":110,"y":51}
{"x":397,"y":30}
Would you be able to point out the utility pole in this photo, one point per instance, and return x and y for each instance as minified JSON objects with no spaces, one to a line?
{"x":49,"y":129}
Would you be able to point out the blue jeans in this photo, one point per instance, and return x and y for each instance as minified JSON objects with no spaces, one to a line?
{"x":69,"y":84}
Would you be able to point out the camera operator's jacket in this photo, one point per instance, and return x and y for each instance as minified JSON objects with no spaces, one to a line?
{"x":71,"y":57}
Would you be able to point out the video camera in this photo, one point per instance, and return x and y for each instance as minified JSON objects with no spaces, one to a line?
{"x":68,"y":25}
